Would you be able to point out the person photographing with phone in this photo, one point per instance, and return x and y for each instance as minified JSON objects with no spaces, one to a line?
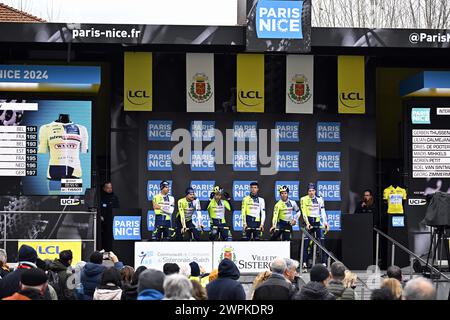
{"x":315,"y":218}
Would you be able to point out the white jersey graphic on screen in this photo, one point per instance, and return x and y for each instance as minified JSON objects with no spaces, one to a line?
{"x":64,"y":142}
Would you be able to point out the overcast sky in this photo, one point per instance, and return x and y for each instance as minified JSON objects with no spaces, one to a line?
{"x":184,"y":12}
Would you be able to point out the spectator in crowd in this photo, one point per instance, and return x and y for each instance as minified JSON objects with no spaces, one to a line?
{"x":395,"y":273}
{"x":196,"y":274}
{"x":92,"y":273}
{"x":130,"y":290}
{"x":382,"y":294}
{"x":198,"y":291}
{"x":177,"y":287}
{"x":60,"y":270}
{"x":419,"y":289}
{"x":110,"y":285}
{"x":33,"y":284}
{"x":277,"y":287}
{"x":10,"y":284}
{"x":350,"y":281}
{"x":291,"y":274}
{"x":170,"y":268}
{"x":213,"y":275}
{"x":185,"y":270}
{"x":260,"y":278}
{"x":126,"y":274}
{"x":150,"y":285}
{"x":226,"y":286}
{"x":316,"y":289}
{"x":4,"y":269}
{"x":336,"y":286}
{"x":395,"y":286}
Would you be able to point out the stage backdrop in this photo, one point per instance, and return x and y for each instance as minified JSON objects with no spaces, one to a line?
{"x":335,"y":152}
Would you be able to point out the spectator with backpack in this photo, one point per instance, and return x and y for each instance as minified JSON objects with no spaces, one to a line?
{"x":59,"y":272}
{"x":336,"y":286}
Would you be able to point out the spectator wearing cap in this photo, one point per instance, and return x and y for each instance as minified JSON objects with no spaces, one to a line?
{"x":170,"y":268}
{"x":130,"y":291}
{"x":336,"y":285}
{"x":4,"y":268}
{"x":26,"y":259}
{"x":276,"y":287}
{"x":62,"y":268}
{"x":316,"y":289}
{"x":33,"y":284}
{"x":226,"y":286}
{"x":92,"y":272}
{"x":196,"y":274}
{"x":150,"y":285}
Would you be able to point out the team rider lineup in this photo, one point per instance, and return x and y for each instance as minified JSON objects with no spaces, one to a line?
{"x":286,"y":214}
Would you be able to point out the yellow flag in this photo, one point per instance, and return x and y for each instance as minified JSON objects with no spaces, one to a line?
{"x":250,"y":83}
{"x":351,"y":84}
{"x":138,"y":80}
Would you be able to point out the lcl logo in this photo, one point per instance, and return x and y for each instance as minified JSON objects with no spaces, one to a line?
{"x":254,"y":95}
{"x":351,"y":99}
{"x":137,"y":94}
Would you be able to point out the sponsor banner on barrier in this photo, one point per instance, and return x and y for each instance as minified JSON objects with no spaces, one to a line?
{"x":238,"y":224}
{"x":202,"y":189}
{"x":50,"y":249}
{"x":245,"y":161}
{"x":299,"y":83}
{"x":159,"y":160}
{"x":138,"y":81}
{"x":250,"y":82}
{"x":351,"y":84}
{"x":154,"y":255}
{"x":241,"y":189}
{"x":288,"y":161}
{"x":329,"y":190}
{"x":159,"y":130}
{"x":288,"y":131}
{"x":200,"y":82}
{"x":202,"y":130}
{"x":245,"y":130}
{"x":420,"y":116}
{"x":329,"y":161}
{"x":251,"y":256}
{"x":293,"y":186}
{"x":334,"y":220}
{"x":153,"y":188}
{"x":203,"y":161}
{"x":127,"y":228}
{"x":328,"y":132}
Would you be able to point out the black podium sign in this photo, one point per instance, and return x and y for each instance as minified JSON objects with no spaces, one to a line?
{"x":357,"y":241}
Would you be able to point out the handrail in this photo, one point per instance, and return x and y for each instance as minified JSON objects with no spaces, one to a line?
{"x":409,"y":252}
{"x":330,"y":254}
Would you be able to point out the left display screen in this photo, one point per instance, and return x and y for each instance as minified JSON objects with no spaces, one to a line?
{"x":45,"y":147}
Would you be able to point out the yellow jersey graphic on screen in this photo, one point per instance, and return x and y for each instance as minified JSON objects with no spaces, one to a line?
{"x":394,"y":198}
{"x":64,"y":142}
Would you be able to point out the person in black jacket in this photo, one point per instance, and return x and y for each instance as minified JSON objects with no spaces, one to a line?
{"x":367,"y":205}
{"x":108,"y":201}
{"x":316,"y":289}
{"x":130,"y":291}
{"x":277,"y":287}
{"x":226,"y":286}
{"x":26,"y":259}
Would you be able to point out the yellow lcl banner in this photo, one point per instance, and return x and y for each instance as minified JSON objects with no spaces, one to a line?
{"x":250,"y":83}
{"x":138,"y":81}
{"x":51,"y":249}
{"x":351,"y":84}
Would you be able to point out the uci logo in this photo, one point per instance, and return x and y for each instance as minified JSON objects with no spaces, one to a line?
{"x":137,"y":95}
{"x":254,"y":96}
{"x":417,"y":202}
{"x":70,"y":202}
{"x":351,"y":99}
{"x":48,"y":250}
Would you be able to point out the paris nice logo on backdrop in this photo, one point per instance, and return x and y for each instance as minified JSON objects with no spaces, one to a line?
{"x":200,"y":90}
{"x":299,"y":90}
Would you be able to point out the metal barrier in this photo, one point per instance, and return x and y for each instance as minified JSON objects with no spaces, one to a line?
{"x":411,"y":254}
{"x":330,"y":255}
